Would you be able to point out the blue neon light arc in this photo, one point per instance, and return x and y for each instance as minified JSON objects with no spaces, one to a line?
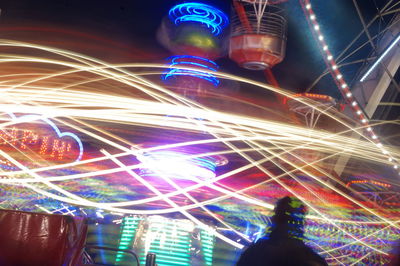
{"x":380,"y":59}
{"x":196,"y":74}
{"x":193,"y":64}
{"x":192,"y":61}
{"x":213,"y":18}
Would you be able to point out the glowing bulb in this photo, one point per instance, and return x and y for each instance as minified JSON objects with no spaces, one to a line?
{"x":334,"y":67}
{"x":390,"y":159}
{"x":384,"y":151}
{"x":312,"y":17}
{"x":374,"y":137}
{"x":344,"y":86}
{"x":320,"y":37}
{"x":163,"y":162}
{"x":395,"y":167}
{"x":369,"y":129}
{"x":359,"y":112}
{"x":308,"y":6}
{"x":364,"y":121}
{"x":316,"y":27}
{"x":379,"y":145}
{"x":339,"y":76}
{"x":325,"y":48}
{"x":354,"y":103}
{"x":330,"y":57}
{"x":348,"y":95}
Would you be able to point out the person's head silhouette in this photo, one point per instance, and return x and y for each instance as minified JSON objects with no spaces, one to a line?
{"x":283,"y":244}
{"x":288,"y":218}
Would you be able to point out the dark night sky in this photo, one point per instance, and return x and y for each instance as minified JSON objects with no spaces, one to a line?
{"x":134,"y":22}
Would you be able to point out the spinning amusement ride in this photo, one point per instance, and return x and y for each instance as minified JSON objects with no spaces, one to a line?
{"x":170,"y":158}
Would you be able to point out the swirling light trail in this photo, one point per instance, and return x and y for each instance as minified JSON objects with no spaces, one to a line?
{"x":58,"y":96}
{"x":207,"y":15}
{"x":196,"y":62}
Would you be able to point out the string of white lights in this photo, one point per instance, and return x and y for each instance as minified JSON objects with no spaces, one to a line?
{"x":342,"y":84}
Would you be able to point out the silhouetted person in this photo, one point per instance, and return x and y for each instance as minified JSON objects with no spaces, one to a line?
{"x":283,"y":245}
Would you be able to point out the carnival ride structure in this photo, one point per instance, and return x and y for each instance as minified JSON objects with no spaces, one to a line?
{"x":147,"y":151}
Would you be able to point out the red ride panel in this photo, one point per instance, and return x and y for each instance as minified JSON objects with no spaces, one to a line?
{"x":40,"y":239}
{"x":256,"y":48}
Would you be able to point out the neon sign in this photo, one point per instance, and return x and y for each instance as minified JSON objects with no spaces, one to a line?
{"x":43,"y":139}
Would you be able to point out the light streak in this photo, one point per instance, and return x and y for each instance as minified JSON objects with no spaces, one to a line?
{"x":173,"y":204}
{"x":78,"y":98}
{"x":380,"y":59}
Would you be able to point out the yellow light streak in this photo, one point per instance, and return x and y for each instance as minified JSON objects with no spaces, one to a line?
{"x":63,"y":97}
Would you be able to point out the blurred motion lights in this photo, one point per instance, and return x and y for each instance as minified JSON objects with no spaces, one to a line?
{"x":190,"y":61}
{"x":207,"y":15}
{"x":178,"y":165}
